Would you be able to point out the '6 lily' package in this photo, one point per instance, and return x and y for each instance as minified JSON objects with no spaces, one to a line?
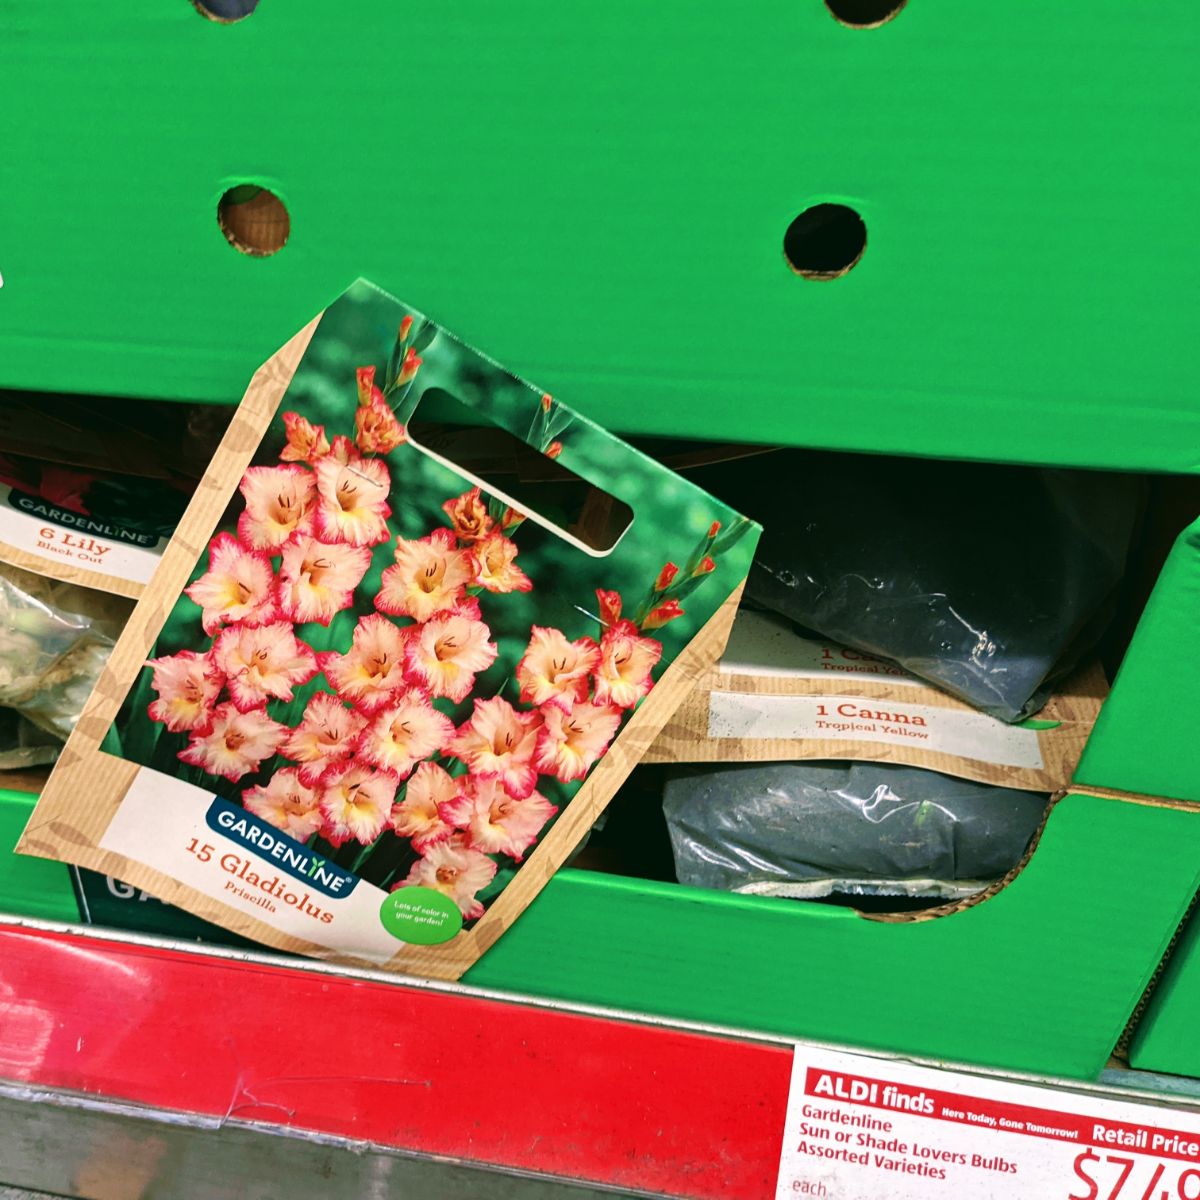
{"x":371,"y":701}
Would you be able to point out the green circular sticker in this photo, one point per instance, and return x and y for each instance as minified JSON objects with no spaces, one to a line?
{"x":420,"y":915}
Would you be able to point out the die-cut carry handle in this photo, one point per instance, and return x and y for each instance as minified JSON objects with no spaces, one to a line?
{"x":599,"y":519}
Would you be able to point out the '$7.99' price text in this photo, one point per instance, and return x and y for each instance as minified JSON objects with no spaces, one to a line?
{"x":1117,"y":1177}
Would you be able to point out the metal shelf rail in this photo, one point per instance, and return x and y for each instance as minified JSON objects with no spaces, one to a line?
{"x":132,"y":1066}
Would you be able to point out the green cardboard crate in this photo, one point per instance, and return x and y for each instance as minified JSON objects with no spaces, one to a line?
{"x":30,"y":887}
{"x":1167,"y":1036}
{"x":599,"y":195}
{"x":600,"y":199}
{"x":1042,"y":977}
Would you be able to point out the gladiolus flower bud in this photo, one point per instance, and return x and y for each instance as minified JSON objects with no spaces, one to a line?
{"x":554,"y":449}
{"x":610,"y":606}
{"x":665,"y":577}
{"x":545,"y":402}
{"x":705,"y":565}
{"x":405,"y":329}
{"x":409,"y":369}
{"x":714,"y":529}
{"x":366,"y":385}
{"x":662,"y":613}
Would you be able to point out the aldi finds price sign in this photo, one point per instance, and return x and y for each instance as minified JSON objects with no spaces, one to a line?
{"x":862,"y":1128}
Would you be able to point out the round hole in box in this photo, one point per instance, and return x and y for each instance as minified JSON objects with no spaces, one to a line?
{"x":825,"y":241}
{"x":864,"y":14}
{"x":253,"y":220}
{"x":225,"y":12}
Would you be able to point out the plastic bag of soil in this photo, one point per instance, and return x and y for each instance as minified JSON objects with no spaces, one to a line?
{"x":988,"y":580}
{"x":23,"y":744}
{"x":54,"y":640}
{"x":808,"y":830}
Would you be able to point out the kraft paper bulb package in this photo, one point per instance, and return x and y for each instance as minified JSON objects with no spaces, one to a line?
{"x":831,"y":771}
{"x":370,"y":700}
{"x":777,"y":695}
{"x":76,"y":545}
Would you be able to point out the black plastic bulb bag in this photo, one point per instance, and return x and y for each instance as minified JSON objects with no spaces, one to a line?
{"x":986,"y":580}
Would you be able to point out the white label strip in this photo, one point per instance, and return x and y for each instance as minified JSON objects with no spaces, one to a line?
{"x":762,"y":645}
{"x":861,"y":719}
{"x":41,"y":528}
{"x":162,"y":823}
{"x":861,"y":1128}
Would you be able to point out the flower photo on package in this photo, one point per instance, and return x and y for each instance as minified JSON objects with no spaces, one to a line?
{"x":384,"y":679}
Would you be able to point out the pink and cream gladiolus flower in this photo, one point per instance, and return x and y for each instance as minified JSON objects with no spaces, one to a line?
{"x":188,"y":685}
{"x":235,"y":744}
{"x":569,"y":743}
{"x":344,"y":450}
{"x":469,"y":516}
{"x":279,"y":503}
{"x":496,"y":822}
{"x":456,"y":871}
{"x":262,"y":662}
{"x":237,"y":588}
{"x":418,"y":815}
{"x":356,"y":802}
{"x":430,"y":575}
{"x":328,"y":735}
{"x":468,"y":606}
{"x":317,"y":579}
{"x":626,"y":661}
{"x":376,"y":429}
{"x":554,"y":670}
{"x":407,"y":731}
{"x":444,"y":655}
{"x":497,"y":570}
{"x":352,"y":503}
{"x":306,"y":442}
{"x":287,"y":803}
{"x":370,"y":673}
{"x":498,"y":742}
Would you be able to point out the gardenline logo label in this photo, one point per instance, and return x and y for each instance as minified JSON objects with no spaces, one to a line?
{"x":245,"y":829}
{"x":38,"y":507}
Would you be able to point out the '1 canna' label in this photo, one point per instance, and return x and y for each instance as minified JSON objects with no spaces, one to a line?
{"x":861,"y":719}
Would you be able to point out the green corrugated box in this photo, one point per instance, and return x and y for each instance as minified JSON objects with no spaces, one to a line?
{"x":1167,"y":1036}
{"x":599,"y":196}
